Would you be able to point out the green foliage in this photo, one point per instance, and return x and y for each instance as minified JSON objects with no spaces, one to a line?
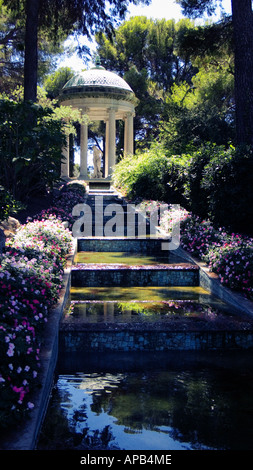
{"x":148,"y":44}
{"x":200,"y":112}
{"x":145,"y":53}
{"x":31,"y":141}
{"x":152,"y":175}
{"x":220,"y":185}
{"x":182,"y":75}
{"x":212,"y":182}
{"x":228,"y":182}
{"x":54,"y":83}
{"x":12,"y":39}
{"x":196,"y":193}
{"x":195,"y":8}
{"x":8,"y":205}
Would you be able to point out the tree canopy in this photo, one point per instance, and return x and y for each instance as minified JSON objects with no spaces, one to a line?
{"x":242,"y":19}
{"x":12,"y":37}
{"x":184,"y":82}
{"x":59,"y":18}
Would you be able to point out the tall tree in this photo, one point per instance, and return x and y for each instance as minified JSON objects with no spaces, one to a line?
{"x":31,"y":50}
{"x":80,"y":16}
{"x":146,"y":53}
{"x":12,"y":50}
{"x":243,"y":35}
{"x":151,"y":45}
{"x":242,"y":18}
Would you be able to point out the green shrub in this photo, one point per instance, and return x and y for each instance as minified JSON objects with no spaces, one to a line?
{"x":212,"y":182}
{"x":196,"y":193}
{"x":219,"y":186}
{"x":8,"y":205}
{"x":152,"y":175}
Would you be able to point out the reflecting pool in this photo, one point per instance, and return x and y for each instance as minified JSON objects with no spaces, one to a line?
{"x":151,"y":401}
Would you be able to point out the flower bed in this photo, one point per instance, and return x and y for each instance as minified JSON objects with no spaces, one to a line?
{"x":228,"y":255}
{"x":31,"y":273}
{"x":233,"y":262}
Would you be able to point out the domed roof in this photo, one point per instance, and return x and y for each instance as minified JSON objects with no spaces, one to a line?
{"x":97,"y":80}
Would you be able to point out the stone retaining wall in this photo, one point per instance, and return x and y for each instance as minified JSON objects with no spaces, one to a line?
{"x":84,"y":341}
{"x":134,"y":276}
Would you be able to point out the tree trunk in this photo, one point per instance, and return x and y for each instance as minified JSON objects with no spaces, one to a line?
{"x":31,"y":50}
{"x":243,"y":40}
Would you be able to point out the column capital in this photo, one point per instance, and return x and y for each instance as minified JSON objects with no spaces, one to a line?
{"x":129,"y":114}
{"x":112,"y":110}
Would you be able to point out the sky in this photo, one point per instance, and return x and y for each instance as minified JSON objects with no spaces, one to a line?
{"x":158,"y":9}
{"x":168,"y":9}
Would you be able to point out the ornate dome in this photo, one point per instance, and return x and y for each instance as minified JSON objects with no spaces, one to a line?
{"x":97,"y":81}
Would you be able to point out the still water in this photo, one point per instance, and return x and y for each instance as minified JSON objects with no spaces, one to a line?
{"x":151,"y":401}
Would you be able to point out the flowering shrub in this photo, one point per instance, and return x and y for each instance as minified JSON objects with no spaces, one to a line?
{"x":48,"y":237}
{"x":233,"y":262}
{"x":19,"y":349}
{"x":26,"y":292}
{"x":171,"y":216}
{"x":31,"y":273}
{"x":197,"y":236}
{"x":228,"y":255}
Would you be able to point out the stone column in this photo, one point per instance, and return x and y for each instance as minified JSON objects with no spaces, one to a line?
{"x":129,"y":134}
{"x":106,"y":147}
{"x":65,"y":162}
{"x":111,"y":140}
{"x":83,"y":150}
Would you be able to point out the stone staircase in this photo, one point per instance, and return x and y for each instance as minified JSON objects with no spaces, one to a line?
{"x":139,"y":259}
{"x":128,"y":293}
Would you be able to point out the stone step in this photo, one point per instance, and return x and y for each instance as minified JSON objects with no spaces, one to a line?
{"x":117,"y":221}
{"x":122,"y":244}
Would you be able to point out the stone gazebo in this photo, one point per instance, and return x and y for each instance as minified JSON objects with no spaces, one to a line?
{"x":102,"y":96}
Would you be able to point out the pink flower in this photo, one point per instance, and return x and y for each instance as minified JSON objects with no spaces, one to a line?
{"x":10,"y":351}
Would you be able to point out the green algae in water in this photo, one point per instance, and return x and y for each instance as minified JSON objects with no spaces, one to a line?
{"x":131,"y":312}
{"x":129,"y":259}
{"x":145,"y":293}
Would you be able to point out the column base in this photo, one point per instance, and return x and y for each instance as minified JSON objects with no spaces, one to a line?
{"x":83,"y":176}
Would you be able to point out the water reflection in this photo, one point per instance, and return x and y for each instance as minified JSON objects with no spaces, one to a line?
{"x":188,"y":405}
